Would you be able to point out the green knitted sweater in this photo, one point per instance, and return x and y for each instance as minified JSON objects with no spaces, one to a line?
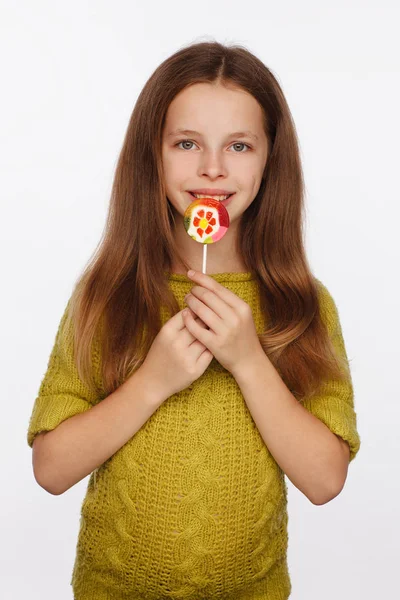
{"x":193,"y":506}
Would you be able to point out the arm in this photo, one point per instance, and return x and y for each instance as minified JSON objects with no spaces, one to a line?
{"x":82,"y":443}
{"x":314,"y":458}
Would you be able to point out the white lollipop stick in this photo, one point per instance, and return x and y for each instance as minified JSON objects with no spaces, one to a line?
{"x":204,"y":257}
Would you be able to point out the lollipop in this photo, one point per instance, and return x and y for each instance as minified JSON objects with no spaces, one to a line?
{"x":206,"y":221}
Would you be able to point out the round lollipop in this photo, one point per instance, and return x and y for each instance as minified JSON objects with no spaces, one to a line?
{"x":206,"y":221}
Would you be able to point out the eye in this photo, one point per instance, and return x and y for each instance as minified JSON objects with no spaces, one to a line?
{"x":190,"y":142}
{"x":184,"y":142}
{"x":241,"y":144}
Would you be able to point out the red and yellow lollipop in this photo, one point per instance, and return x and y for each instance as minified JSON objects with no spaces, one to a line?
{"x":206,"y":221}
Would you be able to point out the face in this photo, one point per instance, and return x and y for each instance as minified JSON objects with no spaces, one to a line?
{"x":214,"y":157}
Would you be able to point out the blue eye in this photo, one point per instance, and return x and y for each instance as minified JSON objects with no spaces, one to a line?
{"x":190,"y":142}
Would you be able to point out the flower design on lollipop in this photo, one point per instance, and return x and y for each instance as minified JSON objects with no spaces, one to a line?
{"x":204,"y":221}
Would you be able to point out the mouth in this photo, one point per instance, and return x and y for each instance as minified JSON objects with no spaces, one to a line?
{"x":224,"y":202}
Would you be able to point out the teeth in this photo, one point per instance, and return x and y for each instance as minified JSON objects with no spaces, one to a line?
{"x":219,"y":198}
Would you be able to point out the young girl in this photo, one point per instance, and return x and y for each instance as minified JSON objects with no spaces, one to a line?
{"x":188,"y":422}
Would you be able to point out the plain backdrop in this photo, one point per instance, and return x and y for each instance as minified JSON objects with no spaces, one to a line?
{"x":70,"y":75}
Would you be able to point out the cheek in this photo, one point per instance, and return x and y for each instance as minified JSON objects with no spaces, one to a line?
{"x":247,"y":170}
{"x":177,"y":167}
{"x":257,"y":178}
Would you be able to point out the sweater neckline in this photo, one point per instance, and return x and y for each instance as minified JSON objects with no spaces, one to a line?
{"x":226,"y":277}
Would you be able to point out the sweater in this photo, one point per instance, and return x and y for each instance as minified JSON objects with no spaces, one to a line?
{"x":193,"y":506}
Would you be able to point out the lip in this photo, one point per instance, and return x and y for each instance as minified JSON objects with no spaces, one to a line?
{"x":211,"y":191}
{"x":224,"y":202}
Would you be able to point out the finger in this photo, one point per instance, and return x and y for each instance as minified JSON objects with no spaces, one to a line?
{"x":207,"y":314}
{"x":184,"y":331}
{"x":214,"y":302}
{"x":200,"y":333}
{"x":196,"y":318}
{"x":180,"y":317}
{"x":221,"y":291}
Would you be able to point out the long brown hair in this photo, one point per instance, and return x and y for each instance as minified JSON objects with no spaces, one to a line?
{"x":123,"y":286}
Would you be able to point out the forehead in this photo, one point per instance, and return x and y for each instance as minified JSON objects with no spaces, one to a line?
{"x":206,"y":108}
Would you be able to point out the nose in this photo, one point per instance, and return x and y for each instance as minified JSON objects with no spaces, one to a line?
{"x":213,"y":165}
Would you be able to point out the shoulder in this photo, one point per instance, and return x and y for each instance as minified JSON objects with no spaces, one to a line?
{"x":327,"y":306}
{"x":324,"y":295}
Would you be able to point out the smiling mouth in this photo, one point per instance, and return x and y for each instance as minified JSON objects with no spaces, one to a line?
{"x":209,"y":196}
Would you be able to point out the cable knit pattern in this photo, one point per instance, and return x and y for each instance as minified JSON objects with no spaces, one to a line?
{"x":193,"y":506}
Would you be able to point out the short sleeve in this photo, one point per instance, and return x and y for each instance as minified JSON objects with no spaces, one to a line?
{"x":334,"y":403}
{"x":62,"y":394}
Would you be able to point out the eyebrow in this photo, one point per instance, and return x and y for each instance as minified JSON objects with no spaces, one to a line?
{"x":234,"y":134}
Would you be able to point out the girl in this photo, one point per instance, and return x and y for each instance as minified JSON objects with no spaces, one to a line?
{"x":189,"y":421}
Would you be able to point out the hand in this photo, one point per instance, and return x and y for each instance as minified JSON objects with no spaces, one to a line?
{"x":232,"y":337}
{"x":176,"y":358}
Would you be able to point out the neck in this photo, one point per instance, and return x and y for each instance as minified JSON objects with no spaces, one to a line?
{"x":222,"y":256}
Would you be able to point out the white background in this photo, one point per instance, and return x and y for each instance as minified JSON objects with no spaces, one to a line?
{"x":70,"y":76}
